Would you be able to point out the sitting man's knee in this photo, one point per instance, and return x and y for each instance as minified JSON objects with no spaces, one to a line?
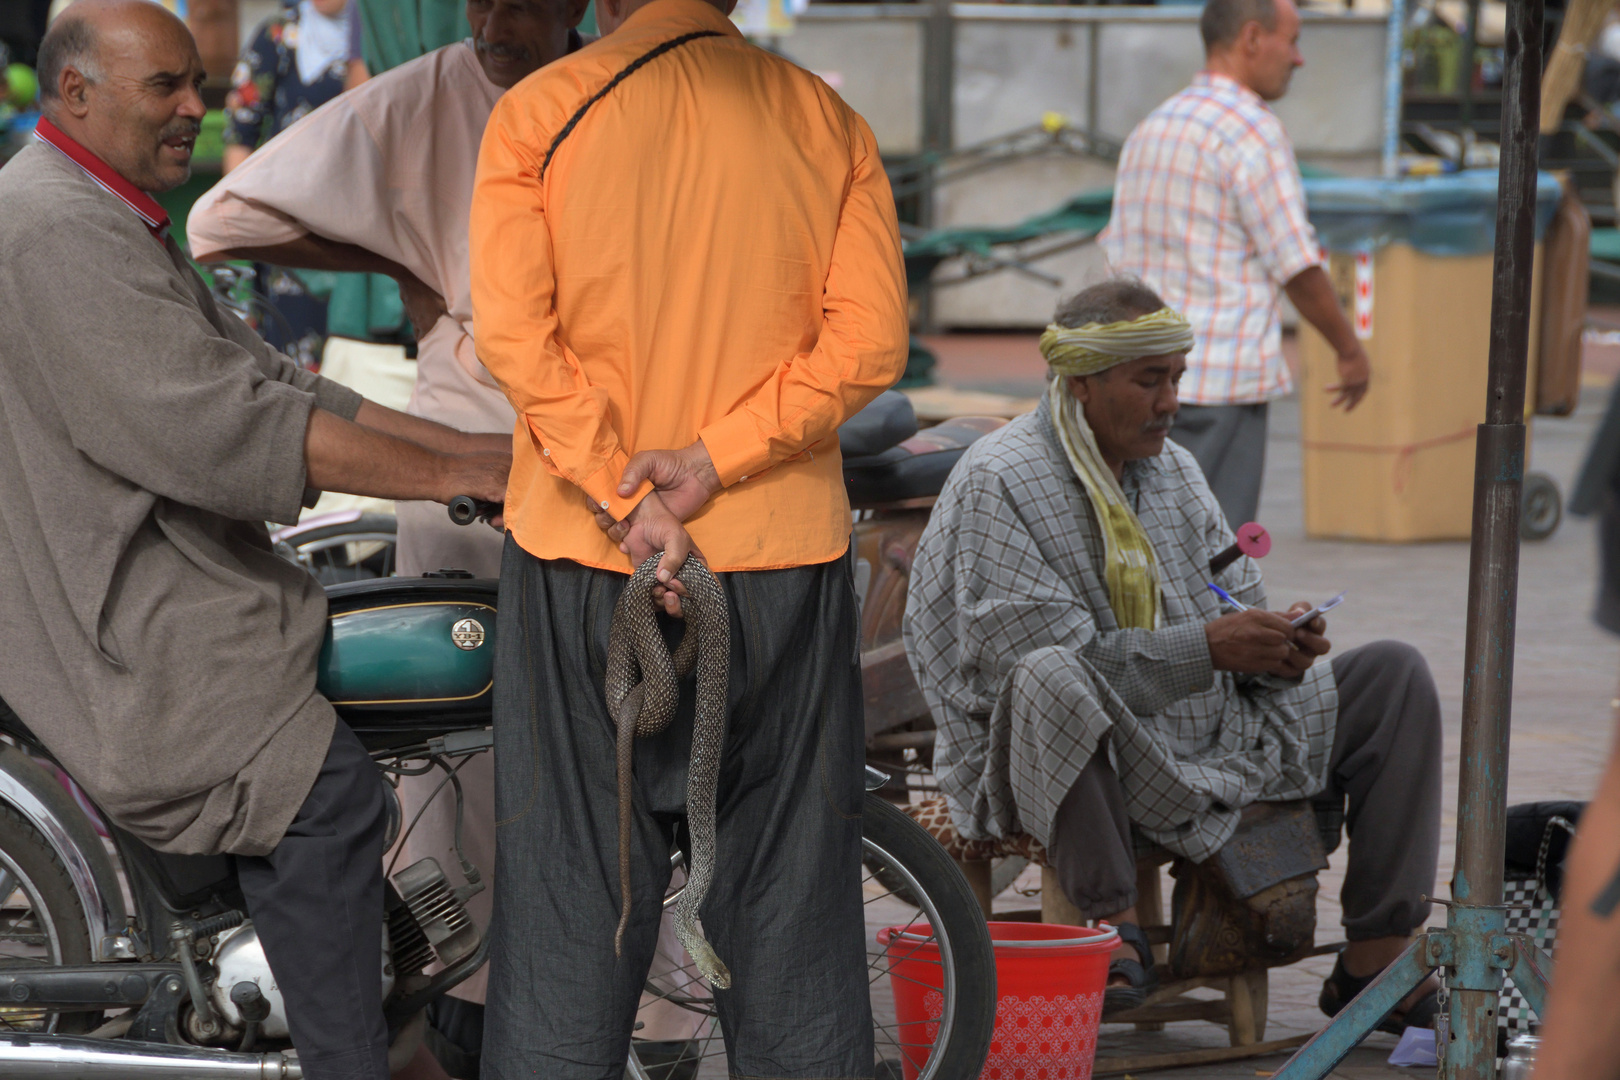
{"x":1051,"y":669}
{"x":1397,"y":661}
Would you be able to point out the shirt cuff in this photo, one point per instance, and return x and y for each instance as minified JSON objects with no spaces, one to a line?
{"x":336,"y":398}
{"x":603,"y":488}
{"x":1188,"y":668}
{"x":735,"y":447}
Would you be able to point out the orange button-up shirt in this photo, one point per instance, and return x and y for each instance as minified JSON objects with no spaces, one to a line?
{"x":710,"y":252}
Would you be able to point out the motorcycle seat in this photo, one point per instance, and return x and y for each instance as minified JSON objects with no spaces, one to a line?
{"x":917,"y":467}
{"x":887,"y":421}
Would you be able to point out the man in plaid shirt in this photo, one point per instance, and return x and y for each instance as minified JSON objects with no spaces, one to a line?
{"x":1209,"y":210}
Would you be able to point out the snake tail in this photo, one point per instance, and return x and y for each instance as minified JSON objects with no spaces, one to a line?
{"x":627,"y":734}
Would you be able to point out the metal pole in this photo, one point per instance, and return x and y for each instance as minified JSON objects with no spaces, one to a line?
{"x":1394,"y":50}
{"x":938,"y":123}
{"x":1465,"y":131}
{"x":1476,"y":919}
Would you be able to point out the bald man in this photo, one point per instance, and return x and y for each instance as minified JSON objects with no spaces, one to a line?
{"x":156,"y":645}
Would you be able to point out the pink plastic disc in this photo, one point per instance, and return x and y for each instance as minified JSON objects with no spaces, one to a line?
{"x":1253,"y":540}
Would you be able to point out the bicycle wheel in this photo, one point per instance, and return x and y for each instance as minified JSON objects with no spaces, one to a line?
{"x":345,"y":551}
{"x":907,"y":879}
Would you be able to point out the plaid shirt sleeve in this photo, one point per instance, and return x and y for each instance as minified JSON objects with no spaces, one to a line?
{"x":1271,"y":204}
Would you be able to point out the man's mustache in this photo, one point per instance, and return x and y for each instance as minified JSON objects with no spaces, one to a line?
{"x":1162,"y":425}
{"x":181,"y":129}
{"x":501,"y":52}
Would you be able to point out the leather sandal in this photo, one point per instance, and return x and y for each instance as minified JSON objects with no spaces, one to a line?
{"x":1141,"y":976}
{"x":1340,"y":987}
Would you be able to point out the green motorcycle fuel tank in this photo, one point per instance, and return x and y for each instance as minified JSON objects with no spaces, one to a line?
{"x":407,"y":653}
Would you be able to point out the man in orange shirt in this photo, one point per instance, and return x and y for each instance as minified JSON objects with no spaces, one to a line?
{"x":686,"y":274}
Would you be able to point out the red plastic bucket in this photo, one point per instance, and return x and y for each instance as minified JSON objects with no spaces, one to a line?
{"x":1049,"y":982}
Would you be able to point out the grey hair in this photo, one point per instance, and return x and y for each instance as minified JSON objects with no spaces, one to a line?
{"x":69,"y":43}
{"x":1114,"y":300}
{"x":1223,"y":20}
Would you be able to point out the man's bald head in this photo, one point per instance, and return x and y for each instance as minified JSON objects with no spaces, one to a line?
{"x":70,"y":43}
{"x":122,"y":78}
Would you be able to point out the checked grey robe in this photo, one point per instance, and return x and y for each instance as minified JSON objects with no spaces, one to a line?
{"x":153,"y":641}
{"x":1017,"y":652}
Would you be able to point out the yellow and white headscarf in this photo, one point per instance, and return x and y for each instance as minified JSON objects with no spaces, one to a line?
{"x":1132,"y":569}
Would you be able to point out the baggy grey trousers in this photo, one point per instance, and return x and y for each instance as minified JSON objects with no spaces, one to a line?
{"x":1385,"y":763}
{"x":1229,"y":442}
{"x":785,"y":911}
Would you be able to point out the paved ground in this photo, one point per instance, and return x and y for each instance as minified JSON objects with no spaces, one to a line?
{"x":1564,"y":677}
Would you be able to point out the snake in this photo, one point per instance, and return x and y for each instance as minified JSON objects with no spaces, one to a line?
{"x":642,"y":685}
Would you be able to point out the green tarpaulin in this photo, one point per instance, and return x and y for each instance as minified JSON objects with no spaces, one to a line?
{"x":394,"y":31}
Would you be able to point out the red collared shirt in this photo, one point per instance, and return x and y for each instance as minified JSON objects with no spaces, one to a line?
{"x":143,"y":205}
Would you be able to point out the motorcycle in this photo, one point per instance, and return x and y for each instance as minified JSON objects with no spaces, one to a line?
{"x":119,"y":960}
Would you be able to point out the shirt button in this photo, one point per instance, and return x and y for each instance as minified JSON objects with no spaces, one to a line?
{"x":745,"y":478}
{"x":604,"y":504}
{"x":546,"y":453}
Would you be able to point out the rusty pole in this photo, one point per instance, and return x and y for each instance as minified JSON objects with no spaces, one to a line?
{"x":1476,"y":919}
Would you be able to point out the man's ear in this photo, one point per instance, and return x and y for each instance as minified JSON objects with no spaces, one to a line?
{"x":73,"y":90}
{"x":1080,"y":387}
{"x":1248,"y":39}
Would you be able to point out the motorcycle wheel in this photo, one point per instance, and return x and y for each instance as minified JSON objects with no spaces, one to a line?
{"x":908,"y":879}
{"x":41,"y":922}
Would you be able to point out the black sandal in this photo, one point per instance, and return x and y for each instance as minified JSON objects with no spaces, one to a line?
{"x":1140,"y":974}
{"x":1340,"y":987}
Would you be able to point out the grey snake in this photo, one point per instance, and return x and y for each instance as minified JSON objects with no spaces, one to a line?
{"x":642,"y":684}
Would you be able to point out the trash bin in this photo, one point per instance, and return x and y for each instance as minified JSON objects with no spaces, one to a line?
{"x":1411,"y":261}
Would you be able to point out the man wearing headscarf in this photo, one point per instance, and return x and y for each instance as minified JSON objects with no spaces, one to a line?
{"x":1085,"y":681}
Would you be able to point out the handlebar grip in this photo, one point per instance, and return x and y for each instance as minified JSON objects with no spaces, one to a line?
{"x":464,"y":509}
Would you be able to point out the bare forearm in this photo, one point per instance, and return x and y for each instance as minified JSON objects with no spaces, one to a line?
{"x":340,"y":455}
{"x":427,"y":433}
{"x":357,"y":458}
{"x":1581,"y":1040}
{"x":1312,"y":293}
{"x":311,"y":252}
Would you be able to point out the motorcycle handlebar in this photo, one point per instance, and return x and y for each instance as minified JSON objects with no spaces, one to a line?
{"x":464,"y":509}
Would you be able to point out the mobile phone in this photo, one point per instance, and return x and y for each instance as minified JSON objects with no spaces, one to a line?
{"x":1320,"y":609}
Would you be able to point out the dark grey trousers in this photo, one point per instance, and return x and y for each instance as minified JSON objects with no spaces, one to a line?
{"x":784,"y":912}
{"x":1229,"y":442}
{"x":1385,"y":763}
{"x":317,"y":902}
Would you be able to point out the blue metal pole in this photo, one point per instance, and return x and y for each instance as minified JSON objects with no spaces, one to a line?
{"x":1476,"y":922}
{"x":1394,"y":51}
{"x":1357,"y":1020}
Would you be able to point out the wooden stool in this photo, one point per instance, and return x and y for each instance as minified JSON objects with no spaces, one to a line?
{"x":1244,"y":998}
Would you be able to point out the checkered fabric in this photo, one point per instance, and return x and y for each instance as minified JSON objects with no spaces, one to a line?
{"x":1014,"y":644}
{"x":1531,"y":911}
{"x":1210,"y":211}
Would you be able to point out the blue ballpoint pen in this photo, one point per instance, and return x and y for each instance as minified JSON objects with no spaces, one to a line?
{"x":1228,"y":597}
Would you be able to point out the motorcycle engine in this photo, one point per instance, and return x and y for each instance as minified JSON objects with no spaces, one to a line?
{"x":425,"y":924}
{"x":240,"y":958}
